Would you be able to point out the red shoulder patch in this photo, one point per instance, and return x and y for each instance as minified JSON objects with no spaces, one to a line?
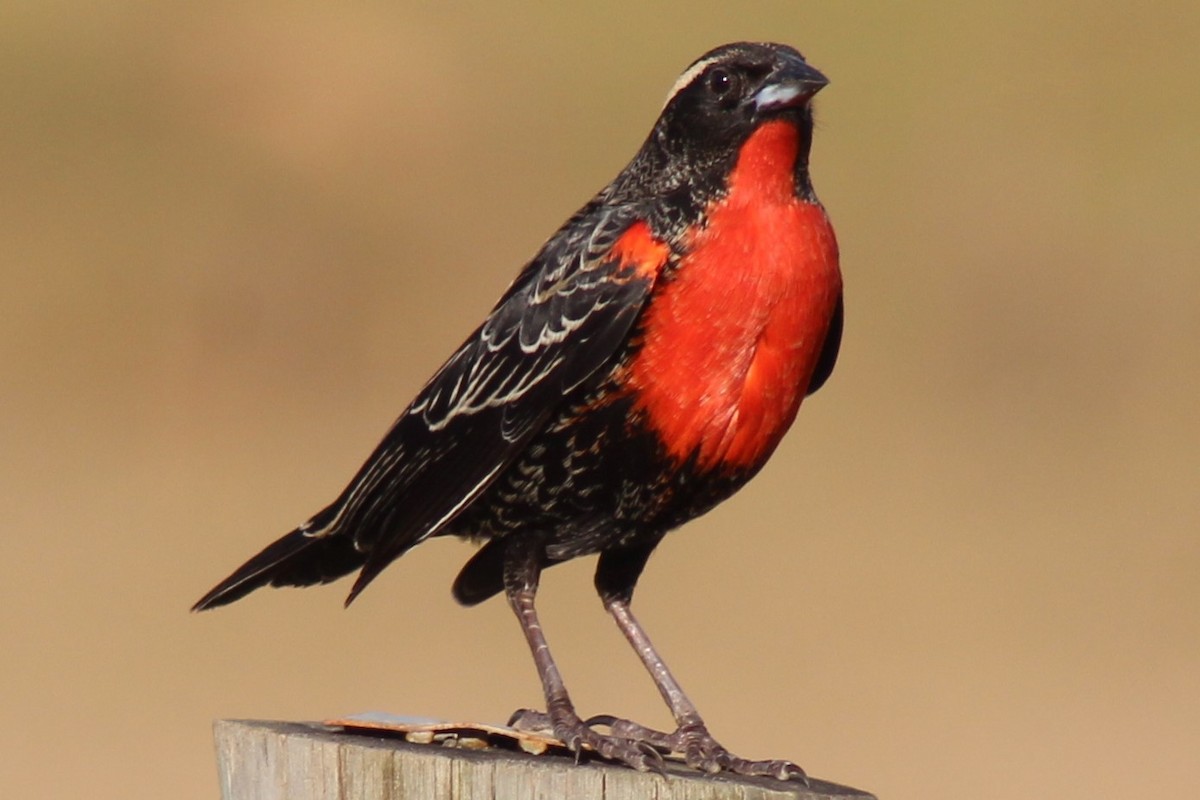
{"x":639,"y":250}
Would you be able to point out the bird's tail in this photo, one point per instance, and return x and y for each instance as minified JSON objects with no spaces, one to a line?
{"x":297,"y":559}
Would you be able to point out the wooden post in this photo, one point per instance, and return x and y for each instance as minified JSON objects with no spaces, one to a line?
{"x":309,"y":761}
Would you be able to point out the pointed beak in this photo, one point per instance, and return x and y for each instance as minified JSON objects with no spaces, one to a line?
{"x":789,"y":86}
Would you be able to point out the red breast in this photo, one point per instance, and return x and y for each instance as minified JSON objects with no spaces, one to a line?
{"x":730,"y":343}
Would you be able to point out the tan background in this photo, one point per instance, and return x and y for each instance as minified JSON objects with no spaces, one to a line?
{"x":234,"y":242}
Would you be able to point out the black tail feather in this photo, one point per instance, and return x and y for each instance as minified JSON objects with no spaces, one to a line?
{"x":294,"y":560}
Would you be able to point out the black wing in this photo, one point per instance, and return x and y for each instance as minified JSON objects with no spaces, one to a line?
{"x":829,"y":350}
{"x":563,"y":318}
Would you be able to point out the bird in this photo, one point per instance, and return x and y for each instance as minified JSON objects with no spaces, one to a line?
{"x":640,"y":369}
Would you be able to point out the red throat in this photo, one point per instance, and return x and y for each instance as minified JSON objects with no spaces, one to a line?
{"x":732,"y":340}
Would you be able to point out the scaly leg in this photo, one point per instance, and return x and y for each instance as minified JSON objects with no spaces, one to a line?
{"x":522,"y":568}
{"x":616,"y":575}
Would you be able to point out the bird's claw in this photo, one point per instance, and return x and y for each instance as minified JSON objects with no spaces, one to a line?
{"x":698,"y":748}
{"x":642,"y":748}
{"x":656,"y":762}
{"x":578,"y":735}
{"x":701,"y":751}
{"x":628,"y":729}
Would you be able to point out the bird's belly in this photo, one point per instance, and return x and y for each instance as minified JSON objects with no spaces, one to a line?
{"x":590,"y":480}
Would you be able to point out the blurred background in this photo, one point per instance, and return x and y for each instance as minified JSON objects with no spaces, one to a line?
{"x":235,"y":239}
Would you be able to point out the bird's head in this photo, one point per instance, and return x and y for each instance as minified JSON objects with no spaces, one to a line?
{"x":714,"y":107}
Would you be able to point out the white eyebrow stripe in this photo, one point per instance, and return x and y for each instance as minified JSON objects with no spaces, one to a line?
{"x":689,"y":75}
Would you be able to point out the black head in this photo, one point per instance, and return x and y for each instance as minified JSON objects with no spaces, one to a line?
{"x":726,"y":93}
{"x":716,"y":104}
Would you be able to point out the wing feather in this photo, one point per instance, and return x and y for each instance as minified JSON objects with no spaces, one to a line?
{"x":560,"y":323}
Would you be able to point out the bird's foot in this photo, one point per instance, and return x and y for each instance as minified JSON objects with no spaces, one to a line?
{"x":699,"y":749}
{"x":691,"y":740}
{"x":578,"y":735}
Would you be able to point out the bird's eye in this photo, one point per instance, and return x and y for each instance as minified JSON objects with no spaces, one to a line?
{"x":720,"y":82}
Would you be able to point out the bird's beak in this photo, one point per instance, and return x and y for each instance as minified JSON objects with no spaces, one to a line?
{"x":789,"y":86}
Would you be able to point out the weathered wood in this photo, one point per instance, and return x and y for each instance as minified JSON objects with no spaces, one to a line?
{"x":308,"y":761}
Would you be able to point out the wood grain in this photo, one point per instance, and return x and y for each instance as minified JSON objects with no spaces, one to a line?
{"x":260,"y":760}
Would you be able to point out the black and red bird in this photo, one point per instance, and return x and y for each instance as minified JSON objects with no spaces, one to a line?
{"x":640,"y":369}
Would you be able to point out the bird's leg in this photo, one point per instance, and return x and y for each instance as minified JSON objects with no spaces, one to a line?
{"x":691,"y":738}
{"x":615,"y":577}
{"x":522,"y":568}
